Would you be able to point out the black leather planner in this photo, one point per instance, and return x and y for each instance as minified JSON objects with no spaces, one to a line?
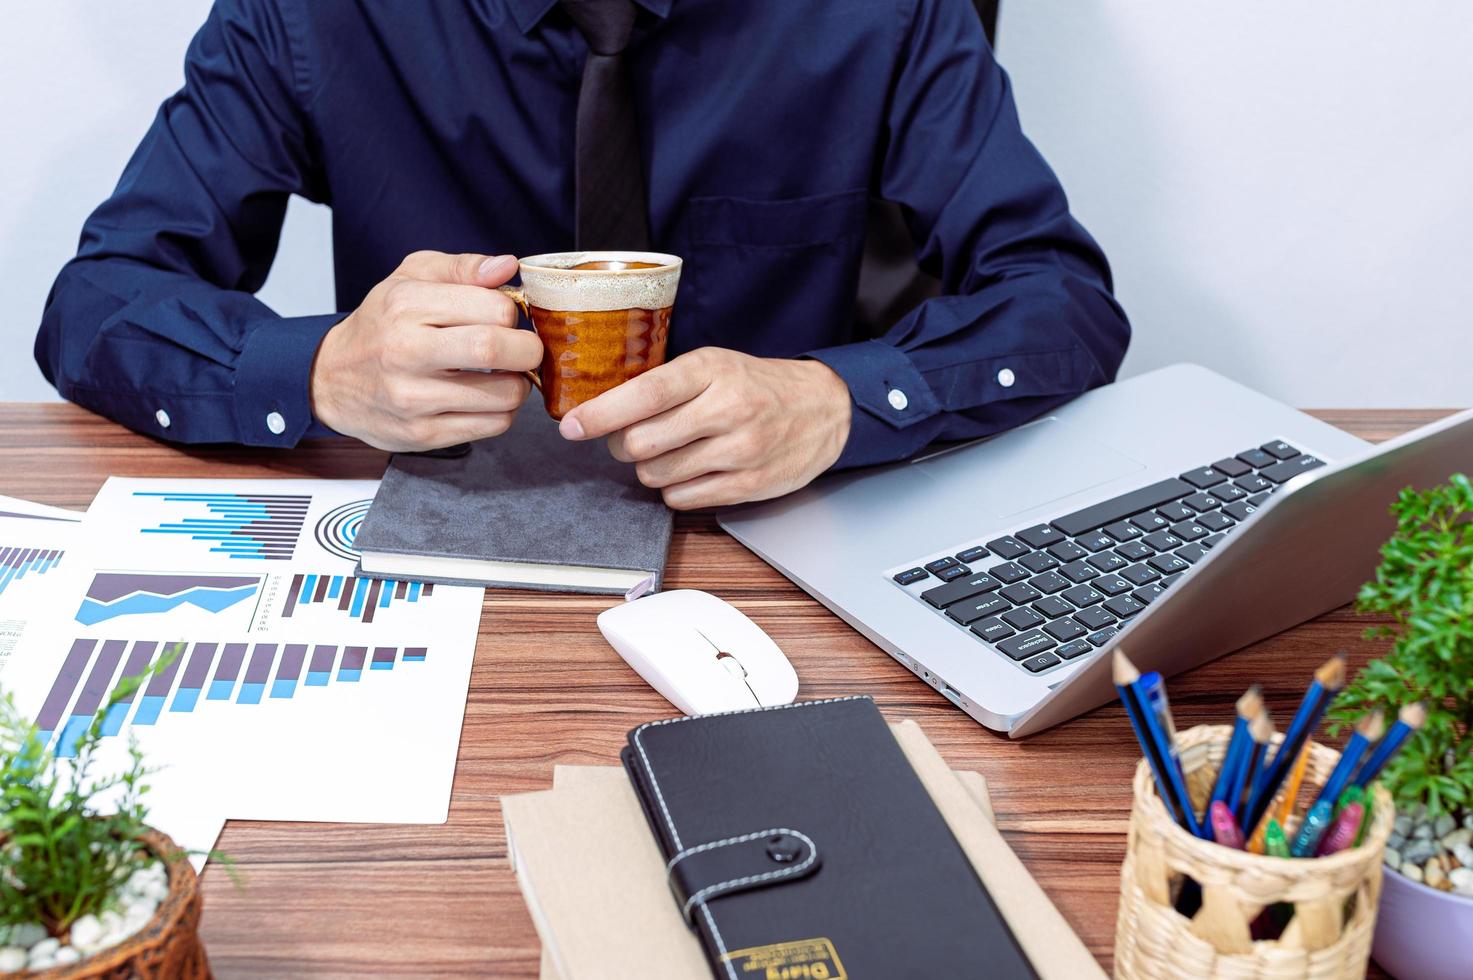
{"x":800,"y":843}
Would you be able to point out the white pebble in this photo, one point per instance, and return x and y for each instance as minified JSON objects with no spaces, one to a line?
{"x":1462,"y":880}
{"x":86,"y":931}
{"x":1460,"y":836}
{"x":1392,"y":859}
{"x":66,"y":955}
{"x":12,"y":959}
{"x":1444,"y":825}
{"x":26,"y":935}
{"x":1411,"y":871}
{"x":46,"y":947}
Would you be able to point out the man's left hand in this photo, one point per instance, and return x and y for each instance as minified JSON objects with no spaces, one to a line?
{"x":716,"y":426}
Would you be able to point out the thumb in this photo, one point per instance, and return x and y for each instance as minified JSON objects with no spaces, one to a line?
{"x":495,"y":270}
{"x":467,"y":268}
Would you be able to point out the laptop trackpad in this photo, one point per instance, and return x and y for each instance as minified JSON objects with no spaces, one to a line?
{"x":1042,"y":461}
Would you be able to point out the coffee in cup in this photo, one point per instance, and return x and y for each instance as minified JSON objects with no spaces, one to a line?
{"x":603,"y":317}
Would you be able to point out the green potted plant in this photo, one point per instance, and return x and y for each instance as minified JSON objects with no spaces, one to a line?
{"x":87,"y":889}
{"x":1425,"y":585}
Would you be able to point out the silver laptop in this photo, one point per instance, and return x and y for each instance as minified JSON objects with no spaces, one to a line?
{"x":1177,"y":515}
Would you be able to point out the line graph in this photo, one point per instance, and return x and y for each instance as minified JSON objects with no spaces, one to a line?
{"x":114,"y":594}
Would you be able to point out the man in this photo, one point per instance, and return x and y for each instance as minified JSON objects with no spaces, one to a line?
{"x":747,"y":137}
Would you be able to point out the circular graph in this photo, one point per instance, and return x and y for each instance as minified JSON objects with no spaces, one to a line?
{"x":338,"y":528}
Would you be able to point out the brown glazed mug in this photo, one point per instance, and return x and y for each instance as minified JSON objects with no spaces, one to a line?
{"x":603,"y":318}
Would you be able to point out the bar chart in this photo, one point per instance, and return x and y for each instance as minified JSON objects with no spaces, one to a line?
{"x":233,"y":673}
{"x":260,"y":526}
{"x":16,"y":563}
{"x":114,"y":594}
{"x":353,"y":596}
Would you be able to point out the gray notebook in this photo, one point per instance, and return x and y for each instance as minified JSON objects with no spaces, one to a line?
{"x":527,"y":509}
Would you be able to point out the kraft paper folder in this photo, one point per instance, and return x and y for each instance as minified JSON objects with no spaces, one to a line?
{"x":594,"y":881}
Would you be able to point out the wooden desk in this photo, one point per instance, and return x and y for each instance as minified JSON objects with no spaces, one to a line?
{"x":546,"y":689}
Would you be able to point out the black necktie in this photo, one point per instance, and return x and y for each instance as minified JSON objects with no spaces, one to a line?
{"x":608,"y":179}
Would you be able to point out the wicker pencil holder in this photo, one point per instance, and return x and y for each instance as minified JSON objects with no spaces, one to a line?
{"x":1334,"y":898}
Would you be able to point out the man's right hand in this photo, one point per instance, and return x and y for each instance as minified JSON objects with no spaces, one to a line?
{"x":404,"y":371}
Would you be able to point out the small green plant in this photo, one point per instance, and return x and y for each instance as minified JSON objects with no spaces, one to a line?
{"x":62,"y":859}
{"x":1425,"y":583}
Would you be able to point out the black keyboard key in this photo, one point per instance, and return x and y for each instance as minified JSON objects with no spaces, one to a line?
{"x":1107,"y":561}
{"x":1240,"y":510}
{"x":1135,"y":551}
{"x":1227,"y":493}
{"x":1150,"y":522}
{"x":1111,"y":584}
{"x":1121,"y":507}
{"x":971,"y":554}
{"x":1203,"y":502}
{"x":1102,"y":637}
{"x":1124,"y":606}
{"x":1215,"y":521}
{"x":1038,"y":561}
{"x":1026,"y":645}
{"x":1020,"y":593}
{"x":1204,"y":477}
{"x":993,"y":630}
{"x":953,"y":572}
{"x":1192,"y":553}
{"x":1290,"y":468}
{"x":1007,"y":547}
{"x":1095,"y":541}
{"x":1279,"y":450}
{"x":1041,"y":662}
{"x":1094,"y":618}
{"x":1049,"y":582}
{"x":1067,"y":551}
{"x":971,"y":610}
{"x":1147,"y":594}
{"x":1211,"y":541}
{"x":1162,"y":540}
{"x":911,"y":575}
{"x":1189,"y":531}
{"x":1065,"y":630}
{"x":1231,"y":467}
{"x":1079,"y":571}
{"x":1071,"y":650}
{"x":1084,"y":595}
{"x":1253,"y":483}
{"x":1256,"y":458}
{"x":1139,"y":574}
{"x":1258,"y":498}
{"x":934,"y":567}
{"x":1123,"y":531}
{"x":1040,"y":536}
{"x":1053,"y":607}
{"x":1166,"y":564}
{"x":1008,"y":572}
{"x":1175,"y":512}
{"x":1170,"y":580}
{"x":1022,"y":618}
{"x":973,"y":585}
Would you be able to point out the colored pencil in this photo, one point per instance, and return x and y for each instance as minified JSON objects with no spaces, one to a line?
{"x":1408,"y":720}
{"x":1369,"y":729}
{"x":1316,"y":822}
{"x":1275,"y":844}
{"x":1328,"y":681}
{"x":1285,"y":805}
{"x":1261,"y":731}
{"x":1352,"y":794}
{"x":1224,"y":828}
{"x":1248,"y":706}
{"x":1342,"y":832}
{"x":1159,"y":753}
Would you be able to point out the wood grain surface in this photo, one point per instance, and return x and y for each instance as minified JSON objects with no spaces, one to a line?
{"x":356,"y":900}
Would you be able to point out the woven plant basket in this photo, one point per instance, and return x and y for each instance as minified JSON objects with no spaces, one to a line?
{"x":1334,"y":898}
{"x":168,"y":948}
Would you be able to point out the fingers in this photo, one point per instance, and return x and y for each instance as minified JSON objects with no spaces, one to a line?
{"x":439,"y":431}
{"x":665,"y":433}
{"x":447,"y":304}
{"x":697,"y":459}
{"x":716,"y":490}
{"x":644,"y":397}
{"x":480,"y":348}
{"x":467,"y":268}
{"x":475,"y":393}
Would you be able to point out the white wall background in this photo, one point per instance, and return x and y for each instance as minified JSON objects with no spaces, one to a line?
{"x":1284,"y":187}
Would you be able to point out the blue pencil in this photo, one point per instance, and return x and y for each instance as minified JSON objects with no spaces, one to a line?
{"x":1148,"y":746}
{"x":1155,"y":720}
{"x":1329,"y":679}
{"x":1408,"y":720}
{"x":1367,"y":730}
{"x":1248,"y":706}
{"x":1261,"y":735}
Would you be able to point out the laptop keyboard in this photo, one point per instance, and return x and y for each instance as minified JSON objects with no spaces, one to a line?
{"x":1053,"y":592}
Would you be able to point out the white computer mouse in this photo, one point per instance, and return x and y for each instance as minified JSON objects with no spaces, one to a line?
{"x":700,"y":652}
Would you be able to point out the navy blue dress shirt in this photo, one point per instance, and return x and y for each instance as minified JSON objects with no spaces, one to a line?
{"x":766,"y":126}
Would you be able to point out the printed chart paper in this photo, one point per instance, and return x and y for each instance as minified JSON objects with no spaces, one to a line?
{"x":293,"y":690}
{"x":35,"y":542}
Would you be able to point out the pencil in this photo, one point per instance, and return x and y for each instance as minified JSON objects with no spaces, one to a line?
{"x":1275,"y":844}
{"x":1328,"y":681}
{"x":1261,"y":731}
{"x":1285,"y":805}
{"x":1343,"y":831}
{"x":1224,"y":828}
{"x":1161,"y":756}
{"x":1408,"y":720}
{"x":1369,"y":729}
{"x":1316,"y":822}
{"x":1248,"y":706}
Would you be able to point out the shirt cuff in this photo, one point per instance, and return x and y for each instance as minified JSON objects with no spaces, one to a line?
{"x":890,"y":398}
{"x":273,"y":380}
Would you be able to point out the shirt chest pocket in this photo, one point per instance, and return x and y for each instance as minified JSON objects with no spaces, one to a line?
{"x":772,"y":277}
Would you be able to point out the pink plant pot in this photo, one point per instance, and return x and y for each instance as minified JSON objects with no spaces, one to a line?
{"x":1423,"y":933}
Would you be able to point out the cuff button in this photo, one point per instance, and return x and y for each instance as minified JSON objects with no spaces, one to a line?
{"x":276,"y":423}
{"x":162,"y":417}
{"x":897,"y":400}
{"x":1005,"y":377}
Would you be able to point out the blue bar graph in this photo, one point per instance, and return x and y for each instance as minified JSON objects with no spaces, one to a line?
{"x":15,"y":563}
{"x":357,"y":597}
{"x":262,"y":527}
